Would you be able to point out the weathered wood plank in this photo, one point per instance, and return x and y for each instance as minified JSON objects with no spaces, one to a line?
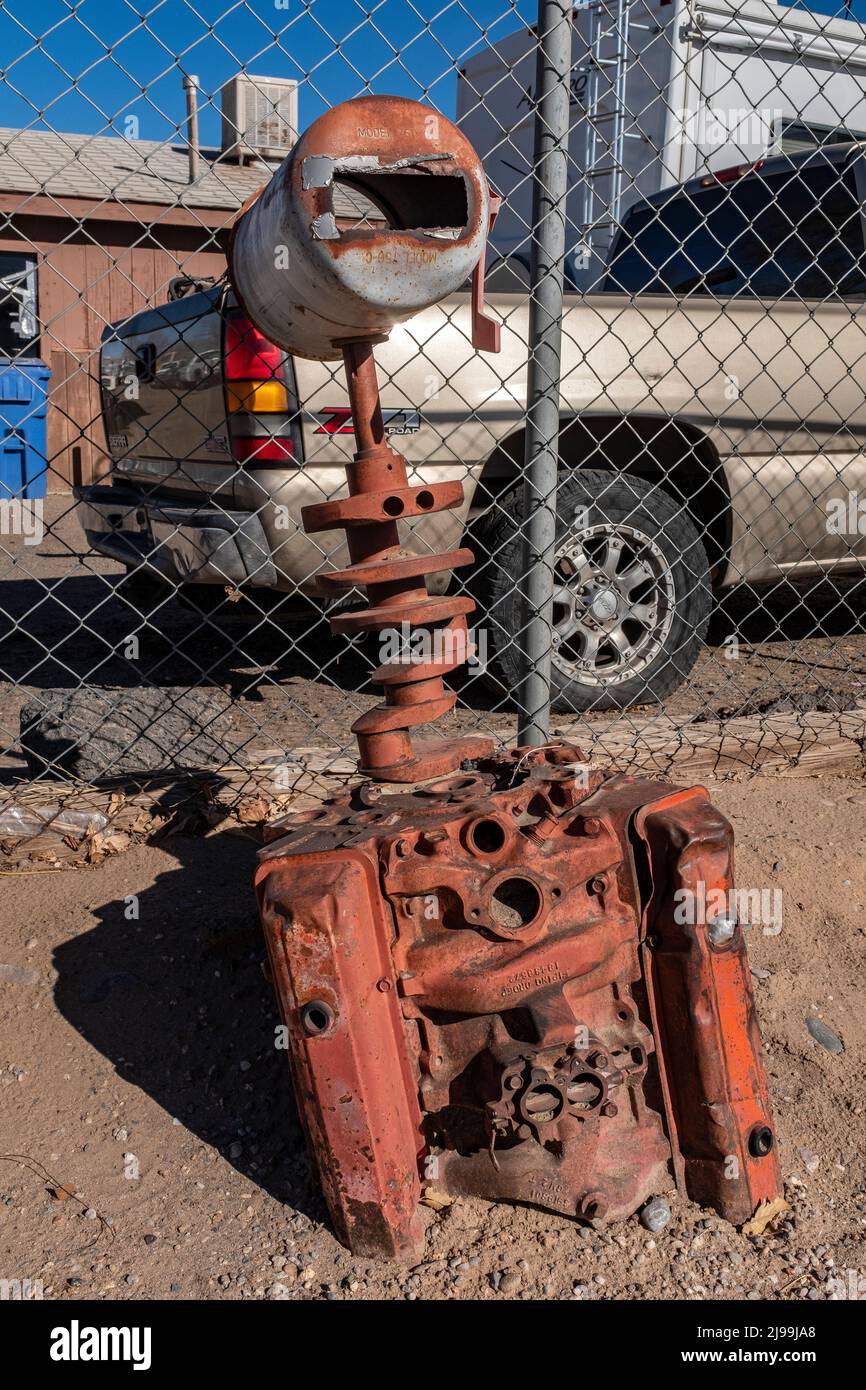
{"x":800,"y":744}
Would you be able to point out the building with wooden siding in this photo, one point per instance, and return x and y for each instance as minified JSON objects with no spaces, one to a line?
{"x":92,"y":229}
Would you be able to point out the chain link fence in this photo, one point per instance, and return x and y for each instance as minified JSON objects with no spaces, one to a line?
{"x":680,"y":543}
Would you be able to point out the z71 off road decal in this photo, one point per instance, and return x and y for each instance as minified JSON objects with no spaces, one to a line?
{"x":338,"y":420}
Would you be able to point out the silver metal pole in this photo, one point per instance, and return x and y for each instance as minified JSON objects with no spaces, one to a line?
{"x":190,"y":86}
{"x":542,"y":385}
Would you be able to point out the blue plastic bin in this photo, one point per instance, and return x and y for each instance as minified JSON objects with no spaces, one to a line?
{"x":23,"y":415}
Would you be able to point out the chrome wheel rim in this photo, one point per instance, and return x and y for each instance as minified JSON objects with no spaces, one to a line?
{"x":613,"y":604}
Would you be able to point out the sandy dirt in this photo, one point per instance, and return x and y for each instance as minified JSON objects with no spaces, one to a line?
{"x":138,"y":1071}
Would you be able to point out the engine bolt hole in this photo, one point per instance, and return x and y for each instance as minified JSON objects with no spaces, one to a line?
{"x":317,"y":1018}
{"x":486,"y":836}
{"x":760,"y":1141}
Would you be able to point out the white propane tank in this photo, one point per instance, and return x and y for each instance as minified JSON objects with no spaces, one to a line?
{"x":309,"y":284}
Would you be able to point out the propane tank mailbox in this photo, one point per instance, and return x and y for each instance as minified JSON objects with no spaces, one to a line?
{"x":308,"y":285}
{"x":322,"y":292}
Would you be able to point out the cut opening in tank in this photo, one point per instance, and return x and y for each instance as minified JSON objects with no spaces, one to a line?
{"x":434,"y":205}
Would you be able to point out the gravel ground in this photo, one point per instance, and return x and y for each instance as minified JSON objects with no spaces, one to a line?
{"x":138,"y":1072}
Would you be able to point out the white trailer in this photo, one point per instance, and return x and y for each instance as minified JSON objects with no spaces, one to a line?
{"x":661,"y":90}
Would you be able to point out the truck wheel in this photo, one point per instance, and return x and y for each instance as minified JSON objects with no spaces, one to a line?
{"x":632,"y":592}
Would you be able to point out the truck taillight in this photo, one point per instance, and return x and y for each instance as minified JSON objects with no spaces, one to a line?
{"x":249,"y":356}
{"x":731,"y":174}
{"x":257,"y":397}
{"x":264,"y":449}
{"x":260,"y":397}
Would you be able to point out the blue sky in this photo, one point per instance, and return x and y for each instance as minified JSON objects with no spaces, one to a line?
{"x":82,"y":65}
{"x":115,"y":48}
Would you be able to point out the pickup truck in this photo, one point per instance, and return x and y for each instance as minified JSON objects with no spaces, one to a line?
{"x":713,"y":410}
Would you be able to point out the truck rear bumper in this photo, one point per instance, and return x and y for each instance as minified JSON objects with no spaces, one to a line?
{"x":184,"y":542}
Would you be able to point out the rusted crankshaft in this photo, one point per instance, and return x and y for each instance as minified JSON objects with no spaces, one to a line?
{"x":396,"y":584}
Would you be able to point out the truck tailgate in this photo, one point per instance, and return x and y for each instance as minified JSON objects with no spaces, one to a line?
{"x":163,"y":397}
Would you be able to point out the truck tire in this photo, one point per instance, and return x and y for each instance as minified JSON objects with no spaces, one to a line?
{"x":632,"y":593}
{"x":91,"y":733}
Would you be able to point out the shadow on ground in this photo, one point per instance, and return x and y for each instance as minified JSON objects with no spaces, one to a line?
{"x":178,"y":1001}
{"x":64,"y":632}
{"x":59,"y":633}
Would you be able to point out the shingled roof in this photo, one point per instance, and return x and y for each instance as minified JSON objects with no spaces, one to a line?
{"x":108,"y":168}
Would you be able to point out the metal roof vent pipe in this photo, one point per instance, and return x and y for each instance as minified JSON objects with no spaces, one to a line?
{"x":190,"y":87}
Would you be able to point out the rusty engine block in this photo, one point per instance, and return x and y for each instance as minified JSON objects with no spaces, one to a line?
{"x":494,"y":985}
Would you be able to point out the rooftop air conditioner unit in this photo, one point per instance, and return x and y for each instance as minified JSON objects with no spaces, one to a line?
{"x":259,"y":117}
